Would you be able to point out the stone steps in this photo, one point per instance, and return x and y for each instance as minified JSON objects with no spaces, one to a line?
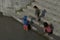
{"x":48,"y":10}
{"x":29,"y":11}
{"x":20,"y":14}
{"x":53,"y":2}
{"x":30,"y":14}
{"x":52,"y":17}
{"x":54,"y":8}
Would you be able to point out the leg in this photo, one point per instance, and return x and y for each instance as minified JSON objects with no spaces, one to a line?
{"x":26,"y":28}
{"x":29,"y":27}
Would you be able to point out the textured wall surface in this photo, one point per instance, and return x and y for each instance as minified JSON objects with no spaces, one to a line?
{"x":9,"y":6}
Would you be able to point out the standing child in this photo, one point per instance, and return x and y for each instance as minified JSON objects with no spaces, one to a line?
{"x":26,"y":24}
{"x":37,"y":12}
{"x":25,"y":21}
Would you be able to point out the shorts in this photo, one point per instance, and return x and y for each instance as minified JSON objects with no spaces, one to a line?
{"x":25,"y":27}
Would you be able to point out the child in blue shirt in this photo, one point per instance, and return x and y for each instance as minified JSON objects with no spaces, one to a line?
{"x":25,"y":23}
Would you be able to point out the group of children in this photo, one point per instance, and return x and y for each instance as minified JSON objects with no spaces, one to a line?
{"x":47,"y":27}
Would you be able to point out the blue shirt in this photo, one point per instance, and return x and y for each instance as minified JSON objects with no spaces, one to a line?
{"x":25,"y":21}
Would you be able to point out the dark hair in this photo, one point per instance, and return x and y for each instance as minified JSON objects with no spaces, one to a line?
{"x":35,"y":7}
{"x":45,"y":24}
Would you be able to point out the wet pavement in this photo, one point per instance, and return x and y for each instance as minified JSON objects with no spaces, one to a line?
{"x":10,"y":29}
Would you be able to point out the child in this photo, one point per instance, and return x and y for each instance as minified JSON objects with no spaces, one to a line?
{"x":43,"y":13}
{"x":25,"y":23}
{"x":37,"y":12}
{"x":47,"y":28}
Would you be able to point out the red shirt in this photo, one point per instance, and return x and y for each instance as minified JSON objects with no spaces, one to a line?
{"x":48,"y":29}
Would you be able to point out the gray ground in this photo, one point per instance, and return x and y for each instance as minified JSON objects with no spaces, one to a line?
{"x":10,"y":29}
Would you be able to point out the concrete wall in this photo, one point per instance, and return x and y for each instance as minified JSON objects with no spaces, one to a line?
{"x":9,"y":6}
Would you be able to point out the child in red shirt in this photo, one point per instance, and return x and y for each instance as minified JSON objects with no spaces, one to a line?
{"x":47,"y":28}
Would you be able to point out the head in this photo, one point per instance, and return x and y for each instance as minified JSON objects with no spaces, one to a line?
{"x":35,"y":7}
{"x":45,"y":24}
